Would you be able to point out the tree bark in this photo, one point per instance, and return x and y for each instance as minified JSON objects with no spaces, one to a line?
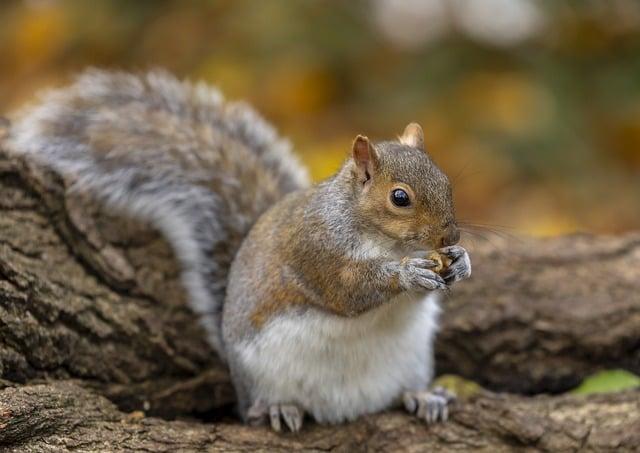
{"x":540,"y":315}
{"x":91,"y":307}
{"x":91,"y":296}
{"x":63,"y":416}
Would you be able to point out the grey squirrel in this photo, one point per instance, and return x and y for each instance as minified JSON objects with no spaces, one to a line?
{"x":315,"y":296}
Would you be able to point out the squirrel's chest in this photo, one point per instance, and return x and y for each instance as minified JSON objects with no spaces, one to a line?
{"x":340,"y":368}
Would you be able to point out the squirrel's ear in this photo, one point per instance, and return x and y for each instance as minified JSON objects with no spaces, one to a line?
{"x":365,"y":157}
{"x":413,"y":136}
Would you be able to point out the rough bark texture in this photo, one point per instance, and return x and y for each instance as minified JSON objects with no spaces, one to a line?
{"x":91,"y":307}
{"x":540,"y":315}
{"x":90,"y":296}
{"x":63,"y":416}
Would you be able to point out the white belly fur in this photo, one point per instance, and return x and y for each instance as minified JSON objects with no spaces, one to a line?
{"x":339,"y":368}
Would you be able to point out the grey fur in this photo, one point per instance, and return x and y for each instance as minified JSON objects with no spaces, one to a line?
{"x":305,"y":241}
{"x":171,"y":153}
{"x":203,"y":171}
{"x":431,"y":405}
{"x":460,"y":267}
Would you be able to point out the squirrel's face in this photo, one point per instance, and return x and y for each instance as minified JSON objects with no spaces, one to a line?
{"x":402,"y":193}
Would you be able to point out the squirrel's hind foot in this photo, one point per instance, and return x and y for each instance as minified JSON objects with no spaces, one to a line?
{"x":292,"y":415}
{"x":431,"y":406}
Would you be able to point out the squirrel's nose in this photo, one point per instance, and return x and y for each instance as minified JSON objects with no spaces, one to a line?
{"x":451,"y":236}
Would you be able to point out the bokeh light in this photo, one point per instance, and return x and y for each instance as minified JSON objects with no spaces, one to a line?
{"x":532,"y":107}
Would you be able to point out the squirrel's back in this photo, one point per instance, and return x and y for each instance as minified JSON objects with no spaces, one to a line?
{"x":200,"y":169}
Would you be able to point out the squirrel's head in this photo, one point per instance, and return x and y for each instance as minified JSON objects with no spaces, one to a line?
{"x":402,"y":193}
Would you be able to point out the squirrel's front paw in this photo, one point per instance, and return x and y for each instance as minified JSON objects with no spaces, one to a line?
{"x":416,"y":274}
{"x":292,"y":415}
{"x":430,"y":406}
{"x":460,"y":267}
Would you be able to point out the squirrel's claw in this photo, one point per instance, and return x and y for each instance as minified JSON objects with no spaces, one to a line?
{"x":430,"y":406}
{"x":416,"y":273}
{"x":292,"y":415}
{"x":460,"y":267}
{"x":446,"y":394}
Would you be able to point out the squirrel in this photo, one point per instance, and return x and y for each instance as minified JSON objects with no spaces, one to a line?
{"x":319,"y":298}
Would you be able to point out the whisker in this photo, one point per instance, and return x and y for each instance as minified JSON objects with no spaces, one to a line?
{"x":456,"y":177}
{"x":461,"y":176}
{"x":493,"y":229}
{"x":478,"y":235}
{"x":488,"y":230}
{"x":468,"y":237}
{"x":479,"y":224}
{"x":474,"y":234}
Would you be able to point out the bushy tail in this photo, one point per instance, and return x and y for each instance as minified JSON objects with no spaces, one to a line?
{"x":171,"y":153}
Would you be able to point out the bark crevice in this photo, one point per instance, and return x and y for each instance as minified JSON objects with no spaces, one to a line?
{"x":94,"y":325}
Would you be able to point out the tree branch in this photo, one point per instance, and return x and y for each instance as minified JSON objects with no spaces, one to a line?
{"x":89,"y":297}
{"x":540,"y":315}
{"x":64,"y":416}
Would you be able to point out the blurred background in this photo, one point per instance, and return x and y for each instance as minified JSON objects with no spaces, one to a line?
{"x":532,"y":107}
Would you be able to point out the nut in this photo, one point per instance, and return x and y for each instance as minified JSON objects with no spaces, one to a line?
{"x":442,"y":261}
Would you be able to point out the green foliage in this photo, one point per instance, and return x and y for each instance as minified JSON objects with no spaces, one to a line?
{"x":608,"y":381}
{"x":463,"y":388}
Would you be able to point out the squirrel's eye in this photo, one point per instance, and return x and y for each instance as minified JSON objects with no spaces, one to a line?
{"x":400,"y":198}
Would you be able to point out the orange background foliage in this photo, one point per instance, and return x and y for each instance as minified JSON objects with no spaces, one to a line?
{"x":540,"y":131}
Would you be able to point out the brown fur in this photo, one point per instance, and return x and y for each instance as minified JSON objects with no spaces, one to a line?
{"x":294,"y":244}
